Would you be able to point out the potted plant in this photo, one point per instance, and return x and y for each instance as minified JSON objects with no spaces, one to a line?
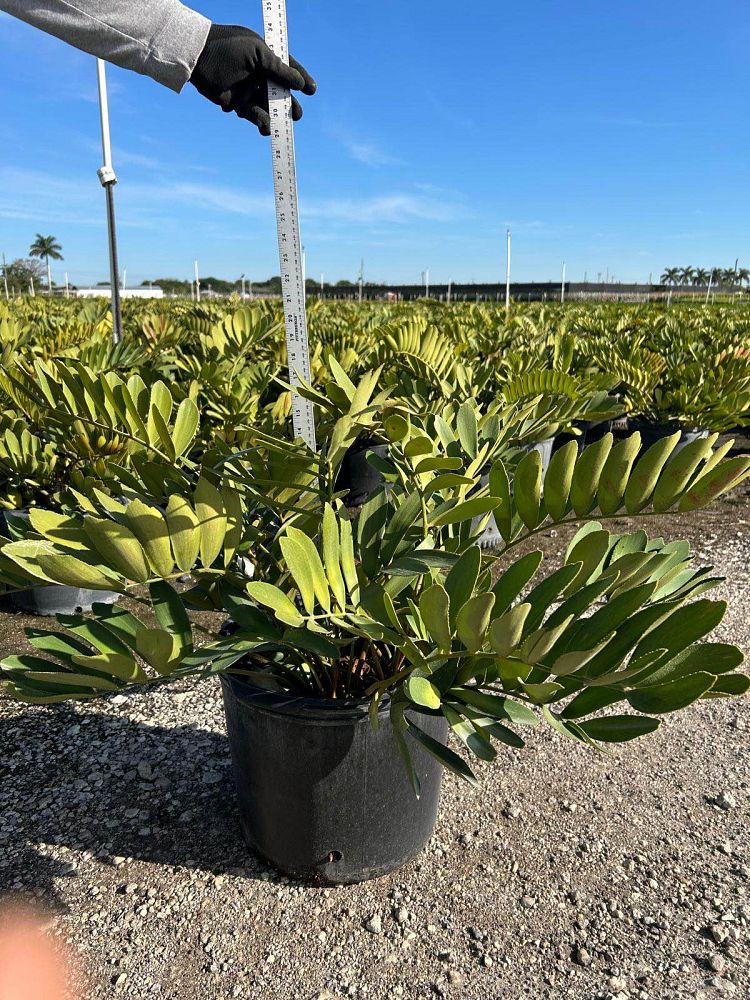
{"x":679,"y":381}
{"x":358,"y":644}
{"x":50,"y":457}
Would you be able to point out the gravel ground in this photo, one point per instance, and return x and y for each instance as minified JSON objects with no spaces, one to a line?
{"x":565,"y":875}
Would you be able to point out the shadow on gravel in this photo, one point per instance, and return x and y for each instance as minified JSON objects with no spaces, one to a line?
{"x":118,"y":789}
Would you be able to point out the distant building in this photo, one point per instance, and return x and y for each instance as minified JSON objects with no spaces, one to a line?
{"x":104,"y":291}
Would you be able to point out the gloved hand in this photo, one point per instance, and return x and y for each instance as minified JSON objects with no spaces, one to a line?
{"x":233,"y":71}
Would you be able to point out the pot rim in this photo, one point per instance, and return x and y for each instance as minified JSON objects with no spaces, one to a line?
{"x":331,"y":710}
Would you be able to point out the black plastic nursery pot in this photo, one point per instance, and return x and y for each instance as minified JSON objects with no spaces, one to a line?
{"x":651,"y":433}
{"x":357,"y":476}
{"x":322,"y":795}
{"x":54,"y":599}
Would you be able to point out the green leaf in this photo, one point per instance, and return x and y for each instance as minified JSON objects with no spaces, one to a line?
{"x":586,"y":475}
{"x":679,"y":471}
{"x":434,"y":607}
{"x":233,"y":508}
{"x":441,"y":753}
{"x":672,"y":696}
{"x":171,"y":614}
{"x":472,"y":738}
{"x":507,"y":630}
{"x":62,"y":529}
{"x":151,"y":530}
{"x":589,"y":551}
{"x":496,"y":706}
{"x":331,"y":556}
{"x":684,"y":627}
{"x":185,"y":426}
{"x":713,"y":484}
{"x":514,"y":579}
{"x":422,"y":692}
{"x":473,"y":620}
{"x":460,"y":581}
{"x":646,"y":474}
{"x":527,"y":489}
{"x":319,"y":580}
{"x":615,"y":473}
{"x":500,"y":490}
{"x":296,"y":560}
{"x":729,"y":685}
{"x":275,"y":599}
{"x":447,"y":481}
{"x":543,"y":693}
{"x":348,"y":564}
{"x":66,"y":679}
{"x":397,"y":526}
{"x":398,"y":728}
{"x":466,"y":425}
{"x":558,"y":480}
{"x":619,"y":728}
{"x":439,"y":464}
{"x":118,"y":548}
{"x":209,"y":508}
{"x":158,"y":648}
{"x":72,"y":572}
{"x":464,"y":511}
{"x":184,"y":532}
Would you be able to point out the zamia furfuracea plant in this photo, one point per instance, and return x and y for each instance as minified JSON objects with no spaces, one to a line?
{"x":398,"y":604}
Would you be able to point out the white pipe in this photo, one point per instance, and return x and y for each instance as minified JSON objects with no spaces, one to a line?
{"x":5,"y":277}
{"x":67,"y":286}
{"x":562,"y":286}
{"x":507,"y":275}
{"x":197,"y":284}
{"x":450,"y":289}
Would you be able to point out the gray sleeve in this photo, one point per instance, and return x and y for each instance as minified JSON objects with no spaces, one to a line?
{"x":159,"y":38}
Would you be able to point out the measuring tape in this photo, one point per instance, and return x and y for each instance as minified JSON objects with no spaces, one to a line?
{"x":287,"y":222}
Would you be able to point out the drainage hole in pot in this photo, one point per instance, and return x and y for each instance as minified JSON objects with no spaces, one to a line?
{"x":334,"y":856}
{"x":79,"y":610}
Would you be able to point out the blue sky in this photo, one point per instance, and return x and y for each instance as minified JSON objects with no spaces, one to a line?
{"x":609,"y":136}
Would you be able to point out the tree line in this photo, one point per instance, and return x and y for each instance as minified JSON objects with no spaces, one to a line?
{"x":697,"y":276}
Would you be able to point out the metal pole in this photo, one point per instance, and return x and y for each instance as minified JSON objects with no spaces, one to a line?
{"x":562,"y":285}
{"x":197,"y":284}
{"x":67,"y":286}
{"x":322,"y":285}
{"x":450,"y":289}
{"x":5,"y":277}
{"x":108,"y":179}
{"x":710,"y":280}
{"x":507,"y":273}
{"x":361,"y":277}
{"x":427,"y":283}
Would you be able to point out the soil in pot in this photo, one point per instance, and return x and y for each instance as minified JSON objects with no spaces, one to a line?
{"x":323,"y":796}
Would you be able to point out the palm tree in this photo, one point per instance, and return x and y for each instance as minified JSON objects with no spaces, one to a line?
{"x":47,"y":248}
{"x":686,"y":274}
{"x":701,"y":276}
{"x":729,"y":277}
{"x":670,"y":276}
{"x":743,"y":276}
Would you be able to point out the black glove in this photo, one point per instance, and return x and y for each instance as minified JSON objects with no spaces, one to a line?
{"x":233,"y":71}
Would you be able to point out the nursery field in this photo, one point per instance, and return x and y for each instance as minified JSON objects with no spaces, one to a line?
{"x":459,"y":448}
